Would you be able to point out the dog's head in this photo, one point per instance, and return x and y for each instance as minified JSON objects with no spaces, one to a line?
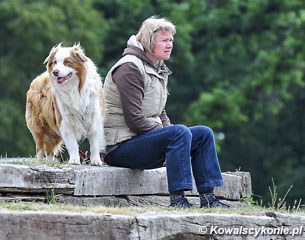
{"x":66,"y":64}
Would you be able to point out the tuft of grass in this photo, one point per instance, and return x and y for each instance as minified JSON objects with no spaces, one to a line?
{"x":276,"y":202}
{"x":279,"y":203}
{"x":52,"y":197}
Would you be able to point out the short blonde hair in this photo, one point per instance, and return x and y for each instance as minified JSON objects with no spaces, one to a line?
{"x":146,"y":34}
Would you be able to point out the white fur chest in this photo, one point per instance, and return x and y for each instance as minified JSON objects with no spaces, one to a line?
{"x":78,"y":106}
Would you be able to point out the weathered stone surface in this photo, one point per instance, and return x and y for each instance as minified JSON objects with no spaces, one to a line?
{"x":20,"y":178}
{"x":64,"y":226}
{"x":119,"y":181}
{"x":106,"y":181}
{"x":22,"y":197}
{"x":232,"y":189}
{"x":87,"y":185}
{"x":246,"y":182}
{"x":52,"y":226}
{"x":122,"y":181}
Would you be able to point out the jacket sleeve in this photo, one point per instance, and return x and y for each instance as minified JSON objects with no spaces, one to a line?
{"x":130,"y":83}
{"x":165,"y":119}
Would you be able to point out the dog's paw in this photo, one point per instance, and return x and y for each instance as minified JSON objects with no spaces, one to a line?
{"x":74,"y":161}
{"x":96,"y":162}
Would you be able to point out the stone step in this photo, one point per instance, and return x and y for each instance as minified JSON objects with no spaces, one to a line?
{"x":151,"y":225}
{"x":105,"y":181}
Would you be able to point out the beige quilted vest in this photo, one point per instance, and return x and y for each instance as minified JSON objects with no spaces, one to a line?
{"x":155,"y":96}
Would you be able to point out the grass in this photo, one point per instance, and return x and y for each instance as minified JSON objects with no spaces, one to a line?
{"x":32,"y":161}
{"x":279,"y":203}
{"x":55,"y":206}
{"x":59,"y":207}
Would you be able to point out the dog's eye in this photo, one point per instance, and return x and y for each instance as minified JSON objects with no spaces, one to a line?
{"x":51,"y":63}
{"x":66,"y":62}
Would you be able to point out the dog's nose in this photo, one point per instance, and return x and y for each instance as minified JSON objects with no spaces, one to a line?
{"x":55,"y":72}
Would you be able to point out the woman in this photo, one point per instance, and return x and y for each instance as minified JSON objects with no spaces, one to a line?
{"x":138,"y":131}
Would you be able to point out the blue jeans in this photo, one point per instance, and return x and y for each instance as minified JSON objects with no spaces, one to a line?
{"x":186,"y":150}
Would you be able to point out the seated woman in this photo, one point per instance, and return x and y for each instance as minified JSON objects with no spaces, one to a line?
{"x":138,"y":131}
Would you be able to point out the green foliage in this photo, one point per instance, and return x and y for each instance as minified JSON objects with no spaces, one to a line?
{"x":14,"y":136}
{"x":217,"y":109}
{"x":121,"y":25}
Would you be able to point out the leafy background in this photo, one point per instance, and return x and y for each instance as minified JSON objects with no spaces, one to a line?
{"x":238,"y":67}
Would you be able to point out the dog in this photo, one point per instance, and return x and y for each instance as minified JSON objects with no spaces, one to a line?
{"x":65,"y":104}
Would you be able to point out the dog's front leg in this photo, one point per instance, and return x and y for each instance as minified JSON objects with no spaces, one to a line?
{"x":70,"y":141}
{"x":95,"y":148}
{"x":96,"y":139}
{"x":73,"y":150}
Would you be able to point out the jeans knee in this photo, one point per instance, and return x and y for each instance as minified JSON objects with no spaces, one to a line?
{"x":183,"y":131}
{"x":202,"y":132}
{"x":208,"y":131}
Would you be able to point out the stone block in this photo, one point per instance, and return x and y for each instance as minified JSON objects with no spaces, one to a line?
{"x":148,"y":225}
{"x":106,"y":180}
{"x":21,"y":178}
{"x":94,"y":181}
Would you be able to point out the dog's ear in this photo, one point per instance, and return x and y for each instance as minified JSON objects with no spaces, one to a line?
{"x":52,"y":53}
{"x":79,"y":53}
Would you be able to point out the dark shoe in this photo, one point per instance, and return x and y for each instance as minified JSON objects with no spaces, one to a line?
{"x":210,"y":201}
{"x":180,"y":202}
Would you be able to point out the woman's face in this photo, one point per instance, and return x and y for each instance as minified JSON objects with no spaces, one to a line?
{"x":163,"y":46}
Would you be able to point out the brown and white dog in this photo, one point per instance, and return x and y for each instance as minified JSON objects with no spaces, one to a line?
{"x":66,"y":104}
